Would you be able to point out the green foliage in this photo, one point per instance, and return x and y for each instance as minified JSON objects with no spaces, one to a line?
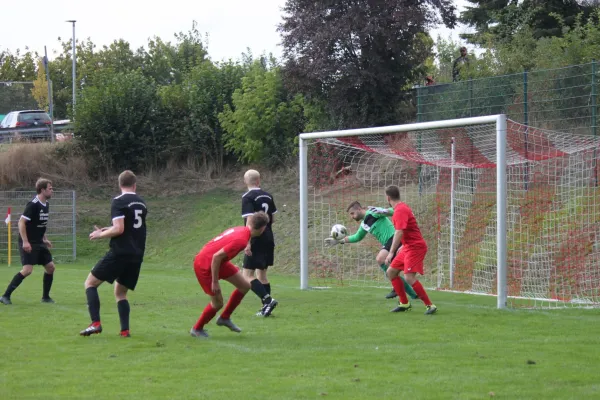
{"x":503,"y":19}
{"x":265,"y":118}
{"x":191,"y":110}
{"x":117,"y":121}
{"x":356,"y":57}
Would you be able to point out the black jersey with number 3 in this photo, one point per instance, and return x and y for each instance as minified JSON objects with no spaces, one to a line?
{"x":132,"y":242}
{"x":36,"y":214}
{"x":255,"y":200}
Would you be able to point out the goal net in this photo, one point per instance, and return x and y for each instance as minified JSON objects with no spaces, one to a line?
{"x":529,"y":230}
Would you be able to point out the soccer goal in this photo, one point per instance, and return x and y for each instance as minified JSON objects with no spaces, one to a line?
{"x":507,"y":209}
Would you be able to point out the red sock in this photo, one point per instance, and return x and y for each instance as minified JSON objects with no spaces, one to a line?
{"x":208,"y":314}
{"x":420,"y":290}
{"x":400,"y":291}
{"x":234,"y":300}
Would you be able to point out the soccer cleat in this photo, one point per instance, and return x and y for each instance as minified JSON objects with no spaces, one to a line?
{"x":268,"y":308}
{"x":402,"y":308}
{"x":47,"y":300}
{"x":93,"y":329}
{"x":200,"y":333}
{"x":228,"y":323}
{"x":391,"y":294}
{"x":124,"y":333}
{"x":432,"y":309}
{"x":5,"y":300}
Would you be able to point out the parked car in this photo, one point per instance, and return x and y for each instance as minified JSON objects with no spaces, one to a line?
{"x":26,"y":119}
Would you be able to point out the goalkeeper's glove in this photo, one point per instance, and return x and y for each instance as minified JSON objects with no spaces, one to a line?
{"x":379,"y":210}
{"x":330,"y":242}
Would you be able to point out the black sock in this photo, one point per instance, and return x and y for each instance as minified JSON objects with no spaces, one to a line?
{"x":93,"y":303}
{"x":123,"y":307}
{"x":267,"y":287}
{"x":16,"y":281}
{"x":47,"y":285}
{"x":259,"y":289}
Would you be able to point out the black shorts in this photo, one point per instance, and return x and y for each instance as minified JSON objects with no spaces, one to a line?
{"x":124,"y":270}
{"x":39,"y":255}
{"x":388,"y":246}
{"x":263,"y":252}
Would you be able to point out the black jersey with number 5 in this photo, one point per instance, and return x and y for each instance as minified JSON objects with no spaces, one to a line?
{"x":255,"y":200}
{"x":132,"y":242}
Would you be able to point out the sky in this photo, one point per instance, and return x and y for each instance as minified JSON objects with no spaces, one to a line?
{"x":232,"y":25}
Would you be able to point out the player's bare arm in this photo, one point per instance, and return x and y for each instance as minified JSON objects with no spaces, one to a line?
{"x":215,"y":266}
{"x":23,"y":233}
{"x":47,"y":242}
{"x":395,"y":245}
{"x":117,"y":229}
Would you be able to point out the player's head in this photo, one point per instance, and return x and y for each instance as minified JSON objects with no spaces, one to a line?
{"x":356,"y":211}
{"x":463,"y":51}
{"x":392,"y":193}
{"x":127,"y":180}
{"x":44,"y":187}
{"x":257,"y":223}
{"x":252,"y":178}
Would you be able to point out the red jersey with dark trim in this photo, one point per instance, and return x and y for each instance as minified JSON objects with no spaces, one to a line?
{"x":232,"y":241}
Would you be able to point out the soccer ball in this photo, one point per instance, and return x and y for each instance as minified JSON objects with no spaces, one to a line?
{"x":338,"y":231}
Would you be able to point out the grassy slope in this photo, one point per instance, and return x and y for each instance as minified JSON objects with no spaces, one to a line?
{"x":178,"y":227}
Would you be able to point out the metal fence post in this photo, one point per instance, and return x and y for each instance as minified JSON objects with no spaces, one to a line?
{"x":419,"y":111}
{"x":526,"y":123}
{"x":594,"y":121}
{"x":74,"y":229}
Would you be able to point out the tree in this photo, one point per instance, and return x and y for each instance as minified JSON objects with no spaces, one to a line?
{"x":191,"y":112}
{"x":500,"y":20}
{"x":17,"y":67}
{"x":358,"y":55}
{"x":117,"y":121}
{"x":40,"y":87}
{"x":265,"y":118}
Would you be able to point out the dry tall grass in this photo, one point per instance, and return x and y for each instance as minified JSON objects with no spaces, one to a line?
{"x":23,"y":163}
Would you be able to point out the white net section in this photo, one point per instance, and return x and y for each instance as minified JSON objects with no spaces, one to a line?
{"x":553,"y":209}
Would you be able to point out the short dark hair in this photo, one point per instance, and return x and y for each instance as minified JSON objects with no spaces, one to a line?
{"x":393,"y":192}
{"x":127,"y":179}
{"x":42,"y":184}
{"x":354,"y":204}
{"x":258,"y":220}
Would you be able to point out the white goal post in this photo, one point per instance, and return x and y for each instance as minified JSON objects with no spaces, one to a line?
{"x":507,"y":209}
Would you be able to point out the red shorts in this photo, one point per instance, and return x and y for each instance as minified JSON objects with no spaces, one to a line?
{"x":204,"y":273}
{"x":410,"y":259}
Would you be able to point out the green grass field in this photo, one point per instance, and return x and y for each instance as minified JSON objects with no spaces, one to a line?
{"x":340,"y":343}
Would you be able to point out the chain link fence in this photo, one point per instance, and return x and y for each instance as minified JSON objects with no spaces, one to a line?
{"x":562,"y":99}
{"x":61,"y":224}
{"x":16,"y":96}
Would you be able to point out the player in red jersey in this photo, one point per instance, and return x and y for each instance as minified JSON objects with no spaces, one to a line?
{"x":212,"y":264}
{"x":412,"y":254}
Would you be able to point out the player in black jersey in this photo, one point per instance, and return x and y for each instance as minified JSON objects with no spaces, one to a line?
{"x":33,"y":244}
{"x":124,"y":259}
{"x":260,"y":250}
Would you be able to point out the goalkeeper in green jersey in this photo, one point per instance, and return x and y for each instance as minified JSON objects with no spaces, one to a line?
{"x":379,"y":226}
